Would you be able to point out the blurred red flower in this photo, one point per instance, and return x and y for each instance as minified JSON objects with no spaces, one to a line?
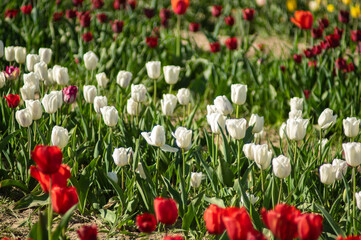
{"x":102,"y":18}
{"x":308,"y":52}
{"x":194,"y":27}
{"x":215,"y":47}
{"x":117,"y":26}
{"x":117,"y":4}
{"x":338,"y":31}
{"x":78,"y":2}
{"x":316,"y":50}
{"x":350,"y":67}
{"x":173,"y":238}
{"x":323,"y":23}
{"x":60,"y":178}
{"x":229,"y":20}
{"x":146,"y":222}
{"x":152,"y":42}
{"x":307,"y":93}
{"x":297,"y":58}
{"x":132,"y":4}
{"x":89,"y":232}
{"x":11,"y":13}
{"x":341,"y":64}
{"x":97,"y":4}
{"x":26,"y":9}
{"x":84,"y":18}
{"x":213,"y":219}
{"x":47,"y":158}
{"x":333,"y":40}
{"x":57,"y":16}
{"x":166,"y":210}
{"x":70,"y":13}
{"x":180,"y":6}
{"x":87,"y":37}
{"x":356,"y":35}
{"x":309,"y":226}
{"x":349,"y":238}
{"x":303,"y":19}
{"x":164,"y":13}
{"x":12,"y":100}
{"x":316,"y":33}
{"x":231,"y":43}
{"x":312,"y":64}
{"x":283,"y":68}
{"x":149,"y":12}
{"x":63,"y":199}
{"x":237,"y":222}
{"x":344,"y":16}
{"x":248,"y":14}
{"x":216,"y":10}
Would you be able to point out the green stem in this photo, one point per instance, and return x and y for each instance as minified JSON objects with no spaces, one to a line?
{"x":237,"y":109}
{"x":354,"y":200}
{"x":262,"y":183}
{"x":184,"y":164}
{"x":280,"y":191}
{"x":50,"y":210}
{"x":238,"y":156}
{"x":295,"y":153}
{"x":155,"y":93}
{"x":122,"y":178}
{"x":170,"y":88}
{"x":216,"y":158}
{"x":179,"y":35}
{"x":184,"y":114}
{"x":157,"y":166}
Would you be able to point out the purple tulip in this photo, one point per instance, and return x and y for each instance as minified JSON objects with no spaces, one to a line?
{"x":69,"y":94}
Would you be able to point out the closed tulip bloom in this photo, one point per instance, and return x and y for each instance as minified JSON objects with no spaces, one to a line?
{"x":146,"y":222}
{"x":358,"y":199}
{"x":49,"y":80}
{"x":183,"y":96}
{"x":110,"y":115}
{"x":303,"y":19}
{"x":45,"y":54}
{"x":248,"y":150}
{"x":138,"y":93}
{"x":236,"y":128}
{"x":2,"y":80}
{"x":166,"y":210}
{"x":294,"y":114}
{"x":140,"y":171}
{"x":133,"y":107}
{"x":60,"y":75}
{"x":27,"y":92}
{"x":153,"y":69}
{"x":257,"y":123}
{"x":1,"y":48}
{"x":326,"y":119}
{"x":168,"y":103}
{"x":213,"y":219}
{"x":282,"y":132}
{"x":113,"y":176}
{"x":47,"y":158}
{"x":211,"y":109}
{"x":196,"y":179}
{"x":223,"y":105}
{"x":90,"y":60}
{"x":351,"y":126}
{"x":296,"y":104}
{"x":60,"y":178}
{"x":122,"y":156}
{"x":238,"y":93}
{"x":238,"y":223}
{"x":35,"y":108}
{"x":262,"y":156}
{"x":171,"y":74}
{"x":63,"y":199}
{"x":309,"y":226}
{"x":10,"y":54}
{"x":217,"y":122}
{"x":102,"y":80}
{"x":352,"y":153}
{"x":157,"y":138}
{"x":31,"y":60}
{"x":31,"y":79}
{"x":20,"y":54}
{"x":88,"y":232}
{"x":41,"y":69}
{"x":90,"y":92}
{"x":59,"y":136}
{"x":327,"y":174}
{"x":24,"y":117}
{"x":69,"y":94}
{"x":50,"y":102}
{"x":261,"y":3}
{"x":59,"y":95}
{"x":296,"y":128}
{"x":183,"y":137}
{"x":281,"y":166}
{"x":124,"y":78}
{"x":340,"y":166}
{"x":179,"y":6}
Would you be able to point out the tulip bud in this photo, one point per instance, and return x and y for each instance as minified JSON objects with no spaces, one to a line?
{"x":124,"y":78}
{"x":327,"y":174}
{"x":27,"y":92}
{"x":122,"y":156}
{"x":90,"y":60}
{"x":295,"y":114}
{"x":138,"y":93}
{"x":153,"y":69}
{"x":31,"y":60}
{"x":89,"y":92}
{"x":261,"y":3}
{"x":59,"y":136}
{"x":223,"y":105}
{"x":1,"y":48}
{"x":171,"y":74}
{"x":183,"y":96}
{"x":100,"y":102}
{"x":248,"y":150}
{"x":358,"y":199}
{"x":133,"y":107}
{"x":282,"y":132}
{"x":262,"y":156}
{"x":24,"y":117}
{"x":296,"y":128}
{"x":183,"y":137}
{"x":217,"y":122}
{"x":352,"y":153}
{"x":45,"y":54}
{"x":168,"y":103}
{"x":113,"y":176}
{"x":102,"y":80}
{"x":238,"y":93}
{"x":257,"y":123}
{"x":69,"y":94}
{"x":296,"y":104}
{"x":351,"y":126}
{"x":110,"y":115}
{"x":340,"y":167}
{"x":31,"y":79}
{"x":140,"y":171}
{"x":50,"y":102}
{"x":60,"y":75}
{"x":35,"y":108}
{"x":20,"y":54}
{"x":281,"y":166}
{"x":10,"y":54}
{"x":41,"y":69}
{"x":252,"y":199}
{"x":196,"y":179}
{"x":236,"y":128}
{"x":326,"y":119}
{"x":2,"y":80}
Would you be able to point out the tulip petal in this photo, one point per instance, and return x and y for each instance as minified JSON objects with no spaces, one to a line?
{"x":167,"y":148}
{"x":147,"y":138}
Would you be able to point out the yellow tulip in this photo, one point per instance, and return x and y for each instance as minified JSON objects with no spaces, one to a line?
{"x":330,"y":7}
{"x":347,"y":2}
{"x":355,"y":11}
{"x":291,"y":5}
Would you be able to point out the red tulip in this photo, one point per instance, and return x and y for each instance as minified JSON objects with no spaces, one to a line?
{"x":132,"y":4}
{"x":308,"y":52}
{"x":216,"y":10}
{"x":117,"y":4}
{"x":58,"y":179}
{"x":338,"y":31}
{"x":229,"y":20}
{"x":307,"y":93}
{"x":297,"y":58}
{"x":166,"y":210}
{"x":149,"y":12}
{"x":57,"y":2}
{"x":356,"y":35}
{"x":283,"y":68}
{"x":333,"y":40}
{"x":164,"y":22}
{"x":341,"y":64}
{"x":47,"y":158}
{"x":215,"y":47}
{"x":173,"y":238}
{"x":84,"y":18}
{"x":344,"y":16}
{"x":255,"y":235}
{"x":310,"y":226}
{"x":248,"y":14}
{"x":57,"y":16}
{"x":350,"y":67}
{"x":11,"y":13}
{"x":63,"y":199}
{"x":312,"y":63}
{"x":231,"y":43}
{"x":70,"y":13}
{"x":87,"y":37}
{"x":164,"y":13}
{"x":323,"y":23}
{"x":324,"y":45}
{"x":146,"y":222}
{"x":349,"y":238}
{"x":237,"y":222}
{"x":180,"y":6}
{"x":78,"y":2}
{"x":316,"y":33}
{"x":117,"y":26}
{"x":69,"y":94}
{"x":303,"y":19}
{"x":194,"y":27}
{"x":97,"y":4}
{"x":152,"y":42}
{"x":26,"y":9}
{"x":102,"y":18}
{"x":13,"y":100}
{"x":213,"y":218}
{"x":316,"y":50}
{"x":282,"y":221}
{"x":89,"y":232}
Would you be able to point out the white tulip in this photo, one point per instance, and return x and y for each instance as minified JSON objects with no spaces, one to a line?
{"x":45,"y":54}
{"x":157,"y":138}
{"x":171,"y":74}
{"x":138,"y":93}
{"x":340,"y":167}
{"x":358,"y":199}
{"x":124,"y":78}
{"x":113,"y":176}
{"x":296,"y":128}
{"x":352,"y":153}
{"x":99,"y":102}
{"x":90,"y":60}
{"x":262,"y":156}
{"x":323,"y":142}
{"x":238,"y":93}
{"x":261,"y":3}
{"x":50,"y":102}
{"x":327,"y":174}
{"x":296,"y":104}
{"x":223,"y":105}
{"x":110,"y":115}
{"x":2,"y":80}
{"x":59,"y":95}
{"x":183,"y":137}
{"x":35,"y":108}
{"x":282,"y":132}
{"x":31,"y":79}
{"x":153,"y":69}
{"x":183,"y":96}
{"x":295,"y":114}
{"x":196,"y":179}
{"x":41,"y":69}
{"x":313,"y":5}
{"x":90,"y":93}
{"x":168,"y":103}
{"x":326,"y":118}
{"x":122,"y":156}
{"x":133,"y":107}
{"x":60,"y":75}
{"x":10,"y":54}
{"x":49,"y":80}
{"x":27,"y":92}
{"x":236,"y":128}
{"x":140,"y":171}
{"x":211,"y":109}
{"x":59,"y":136}
{"x":251,"y":198}
{"x":1,"y":48}
{"x":281,"y":166}
{"x":31,"y":60}
{"x":217,"y":122}
{"x":248,"y":150}
{"x":24,"y":117}
{"x":257,"y":122}
{"x":20,"y":54}
{"x":351,"y":126}
{"x":102,"y":79}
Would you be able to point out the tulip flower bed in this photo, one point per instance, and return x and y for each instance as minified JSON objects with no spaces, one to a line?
{"x":115,"y":120}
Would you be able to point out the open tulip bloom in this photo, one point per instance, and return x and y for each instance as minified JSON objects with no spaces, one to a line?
{"x":157,"y":138}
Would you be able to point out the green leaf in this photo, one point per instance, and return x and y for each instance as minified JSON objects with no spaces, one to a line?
{"x":64,"y":222}
{"x":338,"y":231}
{"x":14,"y":183}
{"x":225,"y":174}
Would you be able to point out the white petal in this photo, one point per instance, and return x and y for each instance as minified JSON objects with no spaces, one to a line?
{"x":167,"y":148}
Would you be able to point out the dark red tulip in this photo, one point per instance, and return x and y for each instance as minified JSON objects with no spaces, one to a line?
{"x":307,"y":93}
{"x":333,"y":40}
{"x":102,"y":18}
{"x":87,"y":37}
{"x":283,"y":68}
{"x":78,"y":2}
{"x":26,"y":9}
{"x":57,"y":16}
{"x":84,"y":18}
{"x":70,"y":13}
{"x":216,"y":10}
{"x":11,"y":72}
{"x":312,"y":64}
{"x":309,"y":226}
{"x":164,"y":13}
{"x":255,"y":235}
{"x":117,"y":4}
{"x":11,"y":13}
{"x":60,"y":178}
{"x":303,"y":19}
{"x":57,"y":2}
{"x":344,"y":16}
{"x":13,"y":100}
{"x":231,"y":43}
{"x":297,"y":58}
{"x":149,"y":12}
{"x":173,"y":238}
{"x":69,"y":94}
{"x":117,"y":26}
{"x":237,"y":222}
{"x":323,"y":23}
{"x":89,"y":232}
{"x":341,"y":64}
{"x":97,"y":4}
{"x":63,"y":199}
{"x":338,"y":31}
{"x":213,"y":219}
{"x":166,"y":210}
{"x":308,"y":52}
{"x":146,"y":222}
{"x":47,"y":158}
{"x":316,"y":33}
{"x":248,"y":14}
{"x":316,"y":50}
{"x":164,"y":22}
{"x":356,"y":35}
{"x":180,"y":6}
{"x":215,"y":47}
{"x":324,"y":45}
{"x":229,"y":20}
{"x":194,"y":27}
{"x":132,"y":4}
{"x":350,"y":67}
{"x":152,"y":42}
